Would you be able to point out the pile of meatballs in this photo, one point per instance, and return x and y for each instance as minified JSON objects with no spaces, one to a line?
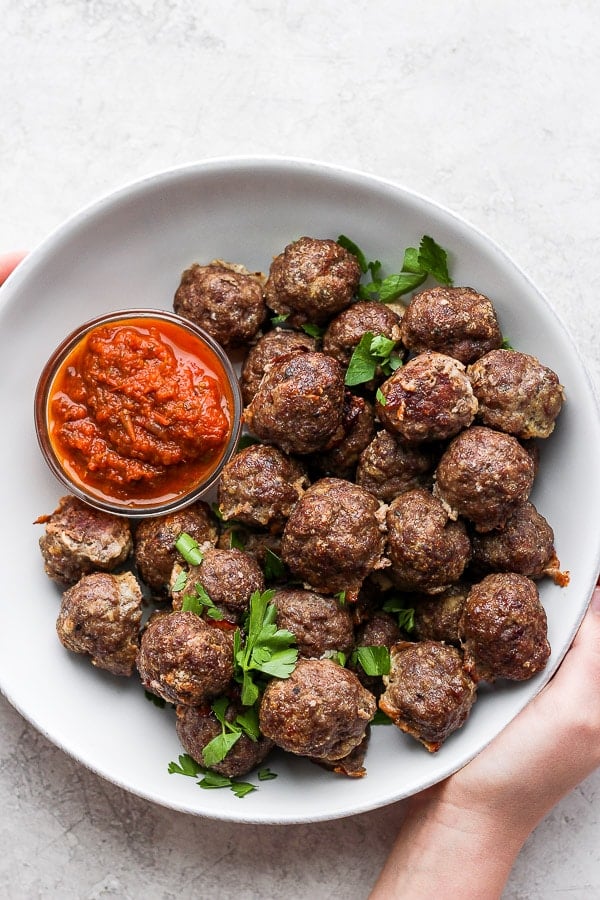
{"x":409,"y":491}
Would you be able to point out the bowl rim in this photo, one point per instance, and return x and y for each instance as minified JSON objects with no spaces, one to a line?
{"x":129,"y":509}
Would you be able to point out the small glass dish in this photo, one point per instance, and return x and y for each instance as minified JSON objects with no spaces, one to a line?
{"x":77,"y":407}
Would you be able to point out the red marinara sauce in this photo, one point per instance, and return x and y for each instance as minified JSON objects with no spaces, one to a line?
{"x":140,"y":411}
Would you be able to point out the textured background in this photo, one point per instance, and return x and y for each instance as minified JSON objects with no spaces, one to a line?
{"x":490,"y":109}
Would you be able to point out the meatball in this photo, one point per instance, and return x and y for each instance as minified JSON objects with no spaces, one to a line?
{"x":278,"y":342}
{"x":100,"y":616}
{"x":312,"y":280}
{"x":224,"y":299}
{"x":428,"y":399}
{"x":261,"y":545}
{"x":260,"y":485}
{"x":319,"y":624}
{"x":428,"y":692}
{"x":436,"y":618}
{"x":334,"y":538}
{"x":184,"y":660}
{"x":299,"y":404}
{"x":516,"y":393}
{"x":229,"y":577}
{"x":503,"y":628}
{"x":355,"y":433}
{"x":379,"y":630}
{"x":79,"y":539}
{"x":197,"y":725}
{"x":353,"y":764}
{"x":484,"y":475}
{"x":427,"y":550}
{"x":524,"y":545}
{"x":321,"y":710}
{"x":155,"y":552}
{"x":453,"y":320}
{"x":389,"y":466}
{"x":344,"y":333}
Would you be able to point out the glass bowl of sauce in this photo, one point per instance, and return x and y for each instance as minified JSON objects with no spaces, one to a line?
{"x":137,"y":412}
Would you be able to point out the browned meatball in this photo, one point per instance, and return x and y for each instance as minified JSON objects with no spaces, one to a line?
{"x":229,"y":577}
{"x":278,"y":342}
{"x":319,"y":624}
{"x":524,"y":545}
{"x":184,"y":660}
{"x":352,"y":764}
{"x":344,"y":332}
{"x":197,"y":725}
{"x":155,"y":553}
{"x":226,"y":300}
{"x":79,"y":539}
{"x":312,"y":280}
{"x":503,"y":629}
{"x":389,"y":466}
{"x":379,"y":630}
{"x":260,"y":485}
{"x":355,"y":433}
{"x":333,"y":538}
{"x":100,"y":616}
{"x":299,"y":404}
{"x":427,"y":550}
{"x":321,"y":710}
{"x":428,"y":692}
{"x":484,"y":475}
{"x":436,"y":618}
{"x":516,"y":393}
{"x":428,"y":399}
{"x":453,"y":320}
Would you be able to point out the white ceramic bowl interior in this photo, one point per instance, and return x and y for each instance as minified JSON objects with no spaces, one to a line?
{"x":129,"y":250}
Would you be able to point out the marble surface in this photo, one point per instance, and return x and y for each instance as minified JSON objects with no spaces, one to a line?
{"x":490,"y":109}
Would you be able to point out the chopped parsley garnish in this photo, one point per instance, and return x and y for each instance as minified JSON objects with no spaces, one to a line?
{"x":373,"y":660}
{"x":380,"y":718}
{"x":279,"y":320}
{"x":506,"y":344}
{"x":265,"y":649}
{"x":273,"y":566}
{"x":180,"y":581}
{"x":266,"y":774}
{"x":380,"y":397}
{"x":406,"y":614}
{"x":246,"y":440}
{"x":201,"y":603}
{"x":417,"y":264}
{"x":217,"y":749}
{"x":373,"y":352}
{"x":212,"y":780}
{"x":315,"y":331}
{"x":236,"y":539}
{"x":189,"y":549}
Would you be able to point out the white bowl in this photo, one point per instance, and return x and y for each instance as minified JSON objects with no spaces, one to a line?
{"x":129,"y":250}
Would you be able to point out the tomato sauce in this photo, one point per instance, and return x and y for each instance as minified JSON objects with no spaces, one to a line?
{"x":140,"y":410}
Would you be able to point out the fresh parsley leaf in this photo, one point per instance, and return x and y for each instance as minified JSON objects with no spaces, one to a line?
{"x":266,"y":774}
{"x":216,"y":750}
{"x":374,"y":660}
{"x":341,"y":597}
{"x":189,"y":549}
{"x":246,"y":440}
{"x":214,"y":780}
{"x":181,"y":581}
{"x":248,"y":722}
{"x":355,"y":250}
{"x":315,"y":331}
{"x":373,"y":352}
{"x":433,"y":260}
{"x":279,"y":320}
{"x":340,"y":658}
{"x":201,"y":603}
{"x":273,"y":566}
{"x":380,"y":718}
{"x":410,"y":263}
{"x":406,"y":614}
{"x":236,"y":539}
{"x":241,"y":788}
{"x":506,"y":344}
{"x":186,"y":766}
{"x":380,"y":397}
{"x":395,"y":286}
{"x":266,"y":648}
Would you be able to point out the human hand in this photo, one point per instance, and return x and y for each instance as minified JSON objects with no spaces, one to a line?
{"x":8,"y":262}
{"x":462,"y":836}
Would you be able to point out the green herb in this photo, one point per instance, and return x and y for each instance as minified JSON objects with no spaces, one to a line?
{"x":380,"y":718}
{"x":181,"y":581}
{"x":217,"y":749}
{"x":506,"y":344}
{"x":266,"y":774}
{"x":236,"y":539}
{"x":406,"y":614}
{"x":189,"y":549}
{"x":340,"y":658}
{"x":279,"y":320}
{"x":373,"y":660}
{"x":152,"y":698}
{"x":246,"y":440}
{"x":266,"y":649}
{"x":434,"y":260}
{"x":316,"y":331}
{"x":201,"y":603}
{"x":373,"y":352}
{"x":341,"y":597}
{"x":273,"y":567}
{"x":380,"y":397}
{"x":212,"y":780}
{"x":365,"y":266}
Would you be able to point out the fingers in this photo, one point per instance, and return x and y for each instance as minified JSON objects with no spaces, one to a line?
{"x":9,"y":261}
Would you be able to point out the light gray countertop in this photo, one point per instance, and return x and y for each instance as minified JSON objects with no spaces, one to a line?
{"x":489,"y":109}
